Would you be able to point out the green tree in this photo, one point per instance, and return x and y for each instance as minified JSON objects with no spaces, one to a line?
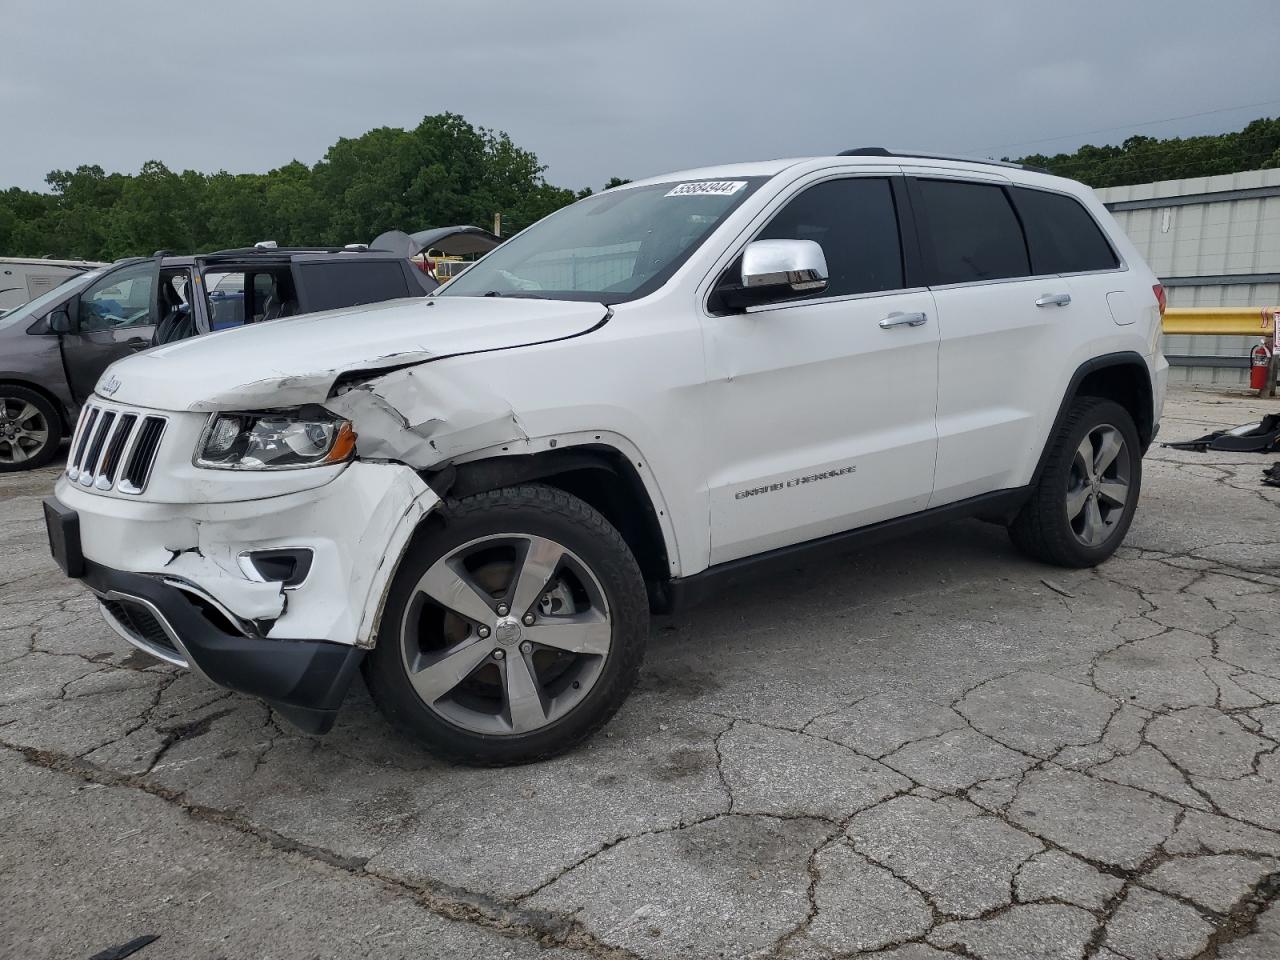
{"x":1142,"y":159}
{"x":443,"y":171}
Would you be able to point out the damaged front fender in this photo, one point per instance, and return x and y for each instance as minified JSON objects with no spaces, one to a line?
{"x":424,"y":415}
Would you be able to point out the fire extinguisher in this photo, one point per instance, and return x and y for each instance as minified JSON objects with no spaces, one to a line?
{"x":1259,"y":366}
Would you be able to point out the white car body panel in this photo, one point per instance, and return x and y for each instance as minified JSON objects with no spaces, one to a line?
{"x":818,"y":394}
{"x":996,"y":345}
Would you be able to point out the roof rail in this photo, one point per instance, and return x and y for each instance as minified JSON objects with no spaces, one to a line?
{"x":267,"y":251}
{"x":918,"y":155}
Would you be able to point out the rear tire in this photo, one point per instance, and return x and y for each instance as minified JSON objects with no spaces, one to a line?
{"x":511,"y":633}
{"x":1082,"y":505}
{"x":30,"y":429}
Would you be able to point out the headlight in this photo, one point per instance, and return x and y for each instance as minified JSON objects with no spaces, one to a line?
{"x":279,"y":440}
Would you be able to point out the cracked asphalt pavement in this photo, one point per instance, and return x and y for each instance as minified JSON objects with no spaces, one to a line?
{"x":932,"y":748}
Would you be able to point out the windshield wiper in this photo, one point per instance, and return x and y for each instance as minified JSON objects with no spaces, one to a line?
{"x":518,"y":295}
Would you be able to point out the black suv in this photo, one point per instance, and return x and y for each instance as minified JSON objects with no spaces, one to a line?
{"x":54,"y":349}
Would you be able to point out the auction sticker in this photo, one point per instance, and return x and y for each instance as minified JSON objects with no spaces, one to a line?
{"x":721,"y":188}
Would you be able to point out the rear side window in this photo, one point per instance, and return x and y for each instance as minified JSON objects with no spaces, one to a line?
{"x":856,"y":224}
{"x":333,"y":284}
{"x":973,"y":232}
{"x":1062,"y":235}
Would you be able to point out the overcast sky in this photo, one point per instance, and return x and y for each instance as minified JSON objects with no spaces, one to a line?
{"x":618,"y":88}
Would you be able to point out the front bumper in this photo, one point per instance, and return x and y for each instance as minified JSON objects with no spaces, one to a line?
{"x":172,"y":580}
{"x":355,"y":528}
{"x":305,"y":680}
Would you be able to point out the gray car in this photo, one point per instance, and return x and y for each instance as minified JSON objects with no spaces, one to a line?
{"x":36,"y":400}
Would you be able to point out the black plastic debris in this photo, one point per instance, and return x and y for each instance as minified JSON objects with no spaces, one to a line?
{"x":126,"y":949}
{"x":1271,"y":476}
{"x":1260,"y":437}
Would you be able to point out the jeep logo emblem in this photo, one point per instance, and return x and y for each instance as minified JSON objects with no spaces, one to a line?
{"x":110,"y":386}
{"x":507,"y":631}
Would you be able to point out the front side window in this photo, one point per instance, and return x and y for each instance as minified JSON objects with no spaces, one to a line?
{"x":120,"y":299}
{"x":856,"y":224}
{"x":1062,"y":235}
{"x":973,"y":232}
{"x":614,"y":247}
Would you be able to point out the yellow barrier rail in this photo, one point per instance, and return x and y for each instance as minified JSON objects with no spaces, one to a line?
{"x":1222,"y":321}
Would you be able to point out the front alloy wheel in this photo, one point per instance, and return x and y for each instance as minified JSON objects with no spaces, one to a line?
{"x":506,"y":634}
{"x":513,"y":630}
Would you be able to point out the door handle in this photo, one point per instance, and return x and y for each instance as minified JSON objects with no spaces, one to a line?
{"x":897,"y":319}
{"x":137,"y":342}
{"x":1054,"y":300}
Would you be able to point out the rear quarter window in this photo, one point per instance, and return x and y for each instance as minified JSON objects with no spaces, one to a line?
{"x":331,"y":285}
{"x":1062,"y":234}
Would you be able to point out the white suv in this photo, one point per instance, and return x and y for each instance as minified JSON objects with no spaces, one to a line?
{"x":479,"y":497}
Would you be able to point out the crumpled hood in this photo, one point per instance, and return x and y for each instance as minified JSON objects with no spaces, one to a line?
{"x":289,"y":362}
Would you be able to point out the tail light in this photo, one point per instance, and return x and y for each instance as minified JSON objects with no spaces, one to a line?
{"x":1158,"y":290}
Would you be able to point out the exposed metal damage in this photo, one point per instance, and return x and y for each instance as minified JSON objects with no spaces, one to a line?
{"x":377,"y":506}
{"x":424,"y":415}
{"x":273,"y":393}
{"x":406,"y":420}
{"x":247,"y":599}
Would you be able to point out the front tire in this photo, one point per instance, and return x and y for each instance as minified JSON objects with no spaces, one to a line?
{"x":1082,"y":506}
{"x":511,"y":633}
{"x":30,"y":429}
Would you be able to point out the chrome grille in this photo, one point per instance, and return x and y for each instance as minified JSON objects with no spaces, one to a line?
{"x":88,"y":417}
{"x":142,"y":456}
{"x":114,"y":451}
{"x":114,"y":448}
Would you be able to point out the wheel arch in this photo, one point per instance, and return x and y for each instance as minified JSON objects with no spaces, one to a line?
{"x":1122,"y":377}
{"x":599,"y":474}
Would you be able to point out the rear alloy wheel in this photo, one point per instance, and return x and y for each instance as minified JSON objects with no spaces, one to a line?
{"x":1098,"y":486}
{"x":30,"y":430}
{"x":1082,"y":505}
{"x":514,"y":632}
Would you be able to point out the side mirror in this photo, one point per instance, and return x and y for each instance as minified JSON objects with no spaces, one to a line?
{"x":60,"y":319}
{"x":776,"y":270}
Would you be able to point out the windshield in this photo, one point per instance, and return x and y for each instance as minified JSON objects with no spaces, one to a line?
{"x":37,"y":307}
{"x":614,"y":247}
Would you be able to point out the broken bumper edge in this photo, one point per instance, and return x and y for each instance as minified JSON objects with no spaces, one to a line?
{"x":305,"y":680}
